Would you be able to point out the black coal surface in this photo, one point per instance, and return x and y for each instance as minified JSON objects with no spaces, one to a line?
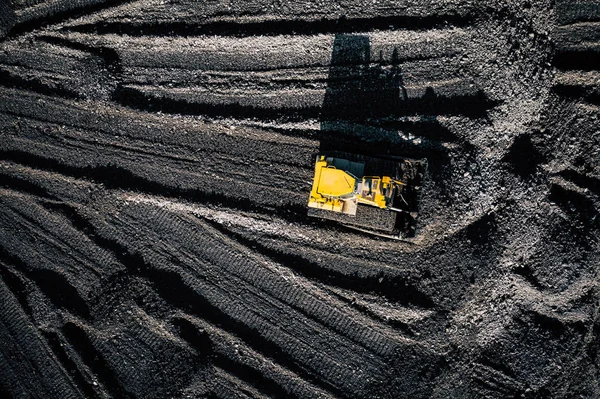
{"x":156,"y":160}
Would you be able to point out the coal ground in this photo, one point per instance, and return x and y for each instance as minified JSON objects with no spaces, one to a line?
{"x":155,"y":164}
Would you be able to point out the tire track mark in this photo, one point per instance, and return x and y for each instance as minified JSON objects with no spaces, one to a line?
{"x":177,"y":292}
{"x":174,"y":282}
{"x":329,"y":318}
{"x":25,"y":353}
{"x":93,"y":359}
{"x":380,"y":281}
{"x":231,"y":353}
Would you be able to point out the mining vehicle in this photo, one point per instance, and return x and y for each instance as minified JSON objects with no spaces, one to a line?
{"x":376,"y":195}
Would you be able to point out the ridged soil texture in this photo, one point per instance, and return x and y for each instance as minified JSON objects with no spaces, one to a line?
{"x":155,"y":164}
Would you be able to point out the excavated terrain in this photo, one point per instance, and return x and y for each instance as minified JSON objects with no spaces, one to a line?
{"x":155,"y":163}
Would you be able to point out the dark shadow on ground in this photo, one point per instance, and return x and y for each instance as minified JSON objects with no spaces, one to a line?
{"x":367,"y":111}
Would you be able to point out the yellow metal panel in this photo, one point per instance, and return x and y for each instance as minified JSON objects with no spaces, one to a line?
{"x":335,"y":183}
{"x":334,"y":189}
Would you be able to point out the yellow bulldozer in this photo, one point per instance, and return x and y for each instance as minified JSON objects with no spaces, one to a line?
{"x":376,"y":195}
{"x":338,"y":190}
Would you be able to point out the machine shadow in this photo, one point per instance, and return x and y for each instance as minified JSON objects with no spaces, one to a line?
{"x":366,"y":112}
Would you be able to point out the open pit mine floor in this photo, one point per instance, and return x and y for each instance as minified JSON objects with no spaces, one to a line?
{"x":156,"y":159}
